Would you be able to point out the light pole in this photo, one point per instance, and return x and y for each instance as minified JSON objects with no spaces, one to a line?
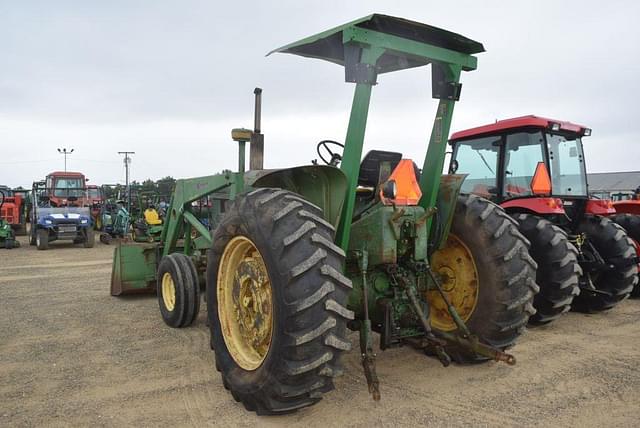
{"x":65,"y":153}
{"x":127,"y":162}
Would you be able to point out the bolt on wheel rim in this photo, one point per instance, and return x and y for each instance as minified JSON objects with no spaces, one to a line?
{"x":245,"y":303}
{"x":456,"y":268}
{"x":168,"y":292}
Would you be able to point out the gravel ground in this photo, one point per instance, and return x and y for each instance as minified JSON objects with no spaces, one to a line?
{"x":70,"y":354}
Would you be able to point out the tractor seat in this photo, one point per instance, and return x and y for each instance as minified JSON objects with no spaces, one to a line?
{"x":369,"y":175}
{"x":151,"y":217}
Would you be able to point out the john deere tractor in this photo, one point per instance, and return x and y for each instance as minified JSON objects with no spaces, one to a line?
{"x":373,"y":244}
{"x":534,"y":167}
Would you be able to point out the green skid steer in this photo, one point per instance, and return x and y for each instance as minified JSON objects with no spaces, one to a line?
{"x":375,"y":244}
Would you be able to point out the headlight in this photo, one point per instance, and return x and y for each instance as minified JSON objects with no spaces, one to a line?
{"x":390,"y":189}
{"x":84,"y":221}
{"x":48,"y":222}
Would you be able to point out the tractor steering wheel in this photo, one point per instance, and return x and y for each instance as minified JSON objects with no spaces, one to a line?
{"x":335,"y":157}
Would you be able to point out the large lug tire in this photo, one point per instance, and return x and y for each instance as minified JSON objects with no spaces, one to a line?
{"x":630,"y":223}
{"x":617,"y":249}
{"x":506,"y":274}
{"x":308,"y":296}
{"x":90,"y":238}
{"x":558,"y":271}
{"x":42,"y":239}
{"x":178,"y":291}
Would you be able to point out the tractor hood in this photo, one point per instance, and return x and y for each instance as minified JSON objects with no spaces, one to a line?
{"x":329,"y":45}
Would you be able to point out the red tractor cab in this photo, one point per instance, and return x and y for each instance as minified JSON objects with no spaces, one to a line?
{"x":65,"y":187}
{"x":534,"y":168}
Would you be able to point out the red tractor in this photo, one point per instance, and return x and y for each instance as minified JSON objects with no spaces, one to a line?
{"x":96,"y":201}
{"x":534,"y":168}
{"x":628,"y":216}
{"x":13,"y":210}
{"x":64,"y":184}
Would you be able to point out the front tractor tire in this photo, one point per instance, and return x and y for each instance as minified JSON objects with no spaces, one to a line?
{"x":276,"y":300}
{"x":178,"y":290}
{"x":617,"y":278}
{"x":490,"y":277}
{"x":558,"y":271}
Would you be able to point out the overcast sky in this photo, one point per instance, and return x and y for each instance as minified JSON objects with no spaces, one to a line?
{"x":169,"y":79}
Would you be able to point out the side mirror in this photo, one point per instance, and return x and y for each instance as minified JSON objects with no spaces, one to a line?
{"x":453,"y":166}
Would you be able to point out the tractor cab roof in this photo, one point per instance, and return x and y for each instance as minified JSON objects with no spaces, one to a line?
{"x":65,"y":174}
{"x":529,"y":121}
{"x":407,"y":44}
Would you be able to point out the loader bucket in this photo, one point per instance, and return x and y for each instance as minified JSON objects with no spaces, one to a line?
{"x":134,"y":269}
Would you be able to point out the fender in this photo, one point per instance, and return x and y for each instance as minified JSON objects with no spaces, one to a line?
{"x":627,"y":207}
{"x":542,"y":206}
{"x":323,"y":185}
{"x":599,"y":207}
{"x":448,"y":192}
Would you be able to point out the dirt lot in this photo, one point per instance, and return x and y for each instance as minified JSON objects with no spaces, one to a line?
{"x":70,"y":354}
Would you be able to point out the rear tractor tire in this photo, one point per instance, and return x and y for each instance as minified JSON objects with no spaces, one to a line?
{"x":178,"y":290}
{"x":42,"y":239}
{"x":276,"y":301}
{"x":558,"y":271}
{"x":630,"y":223}
{"x":617,"y":249}
{"x":490,"y":277}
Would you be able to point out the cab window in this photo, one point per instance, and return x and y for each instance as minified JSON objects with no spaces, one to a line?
{"x":523,"y":152}
{"x":479,"y":159}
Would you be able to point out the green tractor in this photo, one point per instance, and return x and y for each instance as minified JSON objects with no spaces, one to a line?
{"x":148,"y":225}
{"x":303,"y":254}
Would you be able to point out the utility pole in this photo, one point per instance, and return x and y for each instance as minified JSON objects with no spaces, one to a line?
{"x":65,"y":153}
{"x":127,"y":161}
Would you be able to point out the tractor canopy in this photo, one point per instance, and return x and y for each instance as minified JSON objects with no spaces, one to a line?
{"x":404,"y":38}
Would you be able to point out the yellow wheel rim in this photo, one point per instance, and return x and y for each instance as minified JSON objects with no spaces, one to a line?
{"x":245,"y":303}
{"x":458,"y":274}
{"x":168,"y":292}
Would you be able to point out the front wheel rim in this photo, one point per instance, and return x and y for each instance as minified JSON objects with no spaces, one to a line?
{"x":168,"y":292}
{"x":245,"y":303}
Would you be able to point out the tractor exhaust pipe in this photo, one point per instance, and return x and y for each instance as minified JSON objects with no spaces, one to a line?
{"x":256,"y":150}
